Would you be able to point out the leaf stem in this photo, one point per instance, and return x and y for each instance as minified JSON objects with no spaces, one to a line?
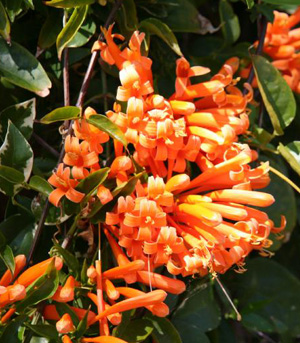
{"x":286,"y":179}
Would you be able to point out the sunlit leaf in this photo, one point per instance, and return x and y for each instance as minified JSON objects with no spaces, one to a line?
{"x":40,"y":185}
{"x":291,"y":153}
{"x":61,"y":114}
{"x":7,"y":257}
{"x":21,"y":68}
{"x":22,"y":116}
{"x":153,"y":26}
{"x":250,"y":3}
{"x":69,"y":31}
{"x":277,"y":95}
{"x":106,"y":125}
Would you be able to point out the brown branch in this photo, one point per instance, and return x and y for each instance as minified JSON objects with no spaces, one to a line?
{"x":45,"y":145}
{"x":79,"y":103}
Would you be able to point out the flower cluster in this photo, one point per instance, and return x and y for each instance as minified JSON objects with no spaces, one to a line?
{"x":197,"y":223}
{"x":282,"y":43}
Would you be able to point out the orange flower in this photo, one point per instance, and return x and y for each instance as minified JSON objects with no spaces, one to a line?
{"x":103,"y":339}
{"x":89,"y":133}
{"x":34,"y":272}
{"x":64,"y":186}
{"x":65,"y":324}
{"x":65,"y":293}
{"x":20,"y":262}
{"x":79,"y":157}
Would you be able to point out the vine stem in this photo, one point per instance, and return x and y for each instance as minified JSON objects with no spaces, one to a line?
{"x":79,"y":103}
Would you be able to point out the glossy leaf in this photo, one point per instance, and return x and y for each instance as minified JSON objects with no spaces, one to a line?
{"x":44,"y":330}
{"x":22,"y":69}
{"x":43,"y":288}
{"x":69,"y":31}
{"x":16,"y":153}
{"x":229,"y":22}
{"x":68,"y":3}
{"x":10,"y":174}
{"x":82,"y":326}
{"x":84,"y":34}
{"x":277,"y":95}
{"x":14,"y":331}
{"x":4,"y":23}
{"x":69,"y":259}
{"x":197,"y":312}
{"x":40,"y":185}
{"x":269,"y":298}
{"x":135,"y":331}
{"x":154,"y":26}
{"x":92,"y":181}
{"x":50,"y":30}
{"x":163,"y":330}
{"x":61,"y":114}
{"x":291,"y":153}
{"x":22,"y":116}
{"x":7,"y":257}
{"x":106,"y":125}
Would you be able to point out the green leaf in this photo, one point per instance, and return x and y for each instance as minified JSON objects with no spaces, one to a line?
{"x":123,"y":190}
{"x":22,"y":69}
{"x":44,"y":330}
{"x":197,"y":312}
{"x":92,"y":181}
{"x":282,"y":2}
{"x":163,"y":330}
{"x":50,"y":30}
{"x":177,"y":14}
{"x":10,"y":174}
{"x":69,"y":259}
{"x":4,"y":23}
{"x":22,"y":116}
{"x":84,"y":34}
{"x":68,"y":3}
{"x":16,"y":153}
{"x":162,"y":30}
{"x":269,"y":298}
{"x":40,"y":185}
{"x":250,"y":3}
{"x":106,"y":125}
{"x":61,"y":114}
{"x":230,"y":22}
{"x":69,"y":31}
{"x":7,"y":257}
{"x":285,"y":203}
{"x":83,"y":275}
{"x":127,"y":17}
{"x":43,"y":288}
{"x":82,"y":326}
{"x":291,"y":153}
{"x":14,"y":331}
{"x":277,"y":95}
{"x":13,"y":8}
{"x":135,"y":331}
{"x":263,"y":136}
